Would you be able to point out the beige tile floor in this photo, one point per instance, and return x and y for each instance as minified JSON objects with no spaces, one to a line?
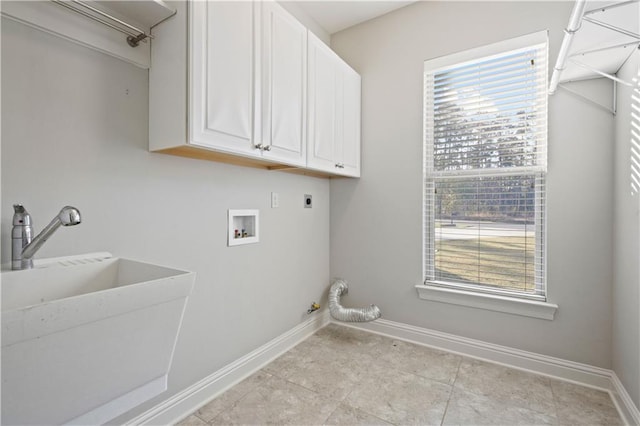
{"x":344,"y":376}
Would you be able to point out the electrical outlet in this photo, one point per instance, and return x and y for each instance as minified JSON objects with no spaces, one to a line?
{"x":307,"y":201}
{"x":275,"y":200}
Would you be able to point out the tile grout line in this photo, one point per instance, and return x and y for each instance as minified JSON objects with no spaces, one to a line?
{"x":373,"y":415}
{"x":444,"y":414}
{"x":331,"y":414}
{"x":195,"y":413}
{"x":286,"y":379}
{"x":555,"y":402}
{"x":511,"y":404}
{"x":343,"y":402}
{"x":237,"y":400}
{"x":230,"y":407}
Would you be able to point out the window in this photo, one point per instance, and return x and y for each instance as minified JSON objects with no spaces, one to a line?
{"x":485,"y":165}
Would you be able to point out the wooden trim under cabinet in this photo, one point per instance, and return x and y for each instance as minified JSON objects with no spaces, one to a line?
{"x":203,"y":154}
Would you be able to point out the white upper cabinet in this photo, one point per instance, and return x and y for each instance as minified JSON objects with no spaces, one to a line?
{"x":223,"y":58}
{"x":334,"y":112}
{"x":232,"y":81}
{"x":322,"y":105}
{"x":284,"y":86}
{"x":347,"y":152}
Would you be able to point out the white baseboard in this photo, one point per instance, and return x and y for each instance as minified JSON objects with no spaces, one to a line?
{"x":540,"y":364}
{"x":623,"y":401}
{"x":189,"y":400}
{"x":582,"y":374}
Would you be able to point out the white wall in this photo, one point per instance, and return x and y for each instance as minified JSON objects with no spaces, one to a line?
{"x":376,"y":221}
{"x":626,"y":255}
{"x":75,"y":132}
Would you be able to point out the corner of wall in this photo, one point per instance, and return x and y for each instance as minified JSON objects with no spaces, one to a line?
{"x":626,"y":277}
{"x":293,"y":8}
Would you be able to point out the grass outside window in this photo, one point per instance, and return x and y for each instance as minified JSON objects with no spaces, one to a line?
{"x":493,"y":261}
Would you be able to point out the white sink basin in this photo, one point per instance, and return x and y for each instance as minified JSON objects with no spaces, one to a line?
{"x":87,"y":338}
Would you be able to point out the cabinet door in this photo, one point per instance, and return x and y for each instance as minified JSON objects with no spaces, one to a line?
{"x":322,"y":106}
{"x":284,"y":81}
{"x":347,"y":153}
{"x":222,"y":57}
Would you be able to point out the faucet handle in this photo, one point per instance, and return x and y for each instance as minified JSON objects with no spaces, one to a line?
{"x":21,"y":216}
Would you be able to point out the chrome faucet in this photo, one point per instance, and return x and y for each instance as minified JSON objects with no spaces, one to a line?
{"x":23,"y":245}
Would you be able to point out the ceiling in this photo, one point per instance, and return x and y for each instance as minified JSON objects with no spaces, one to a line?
{"x":334,"y":16}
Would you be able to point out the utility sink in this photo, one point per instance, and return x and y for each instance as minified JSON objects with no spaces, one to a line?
{"x":87,"y":338}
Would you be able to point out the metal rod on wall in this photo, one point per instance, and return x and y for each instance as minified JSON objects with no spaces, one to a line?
{"x":602,"y":73}
{"x":602,"y":49}
{"x":134,"y":34}
{"x":574,"y":25}
{"x":612,"y":28}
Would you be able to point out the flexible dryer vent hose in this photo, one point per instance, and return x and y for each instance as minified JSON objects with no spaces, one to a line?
{"x":338,"y":288}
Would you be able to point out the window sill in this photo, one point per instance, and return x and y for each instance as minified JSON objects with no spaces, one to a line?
{"x":491,"y":302}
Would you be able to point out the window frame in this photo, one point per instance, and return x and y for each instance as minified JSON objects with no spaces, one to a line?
{"x":434,"y":289}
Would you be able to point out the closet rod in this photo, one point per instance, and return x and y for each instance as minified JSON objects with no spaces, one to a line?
{"x":134,"y":35}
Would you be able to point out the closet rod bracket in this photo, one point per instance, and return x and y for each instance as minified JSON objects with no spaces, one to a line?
{"x":134,"y":35}
{"x":133,"y":41}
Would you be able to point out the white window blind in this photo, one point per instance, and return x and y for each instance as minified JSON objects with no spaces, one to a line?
{"x":485,"y":166}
